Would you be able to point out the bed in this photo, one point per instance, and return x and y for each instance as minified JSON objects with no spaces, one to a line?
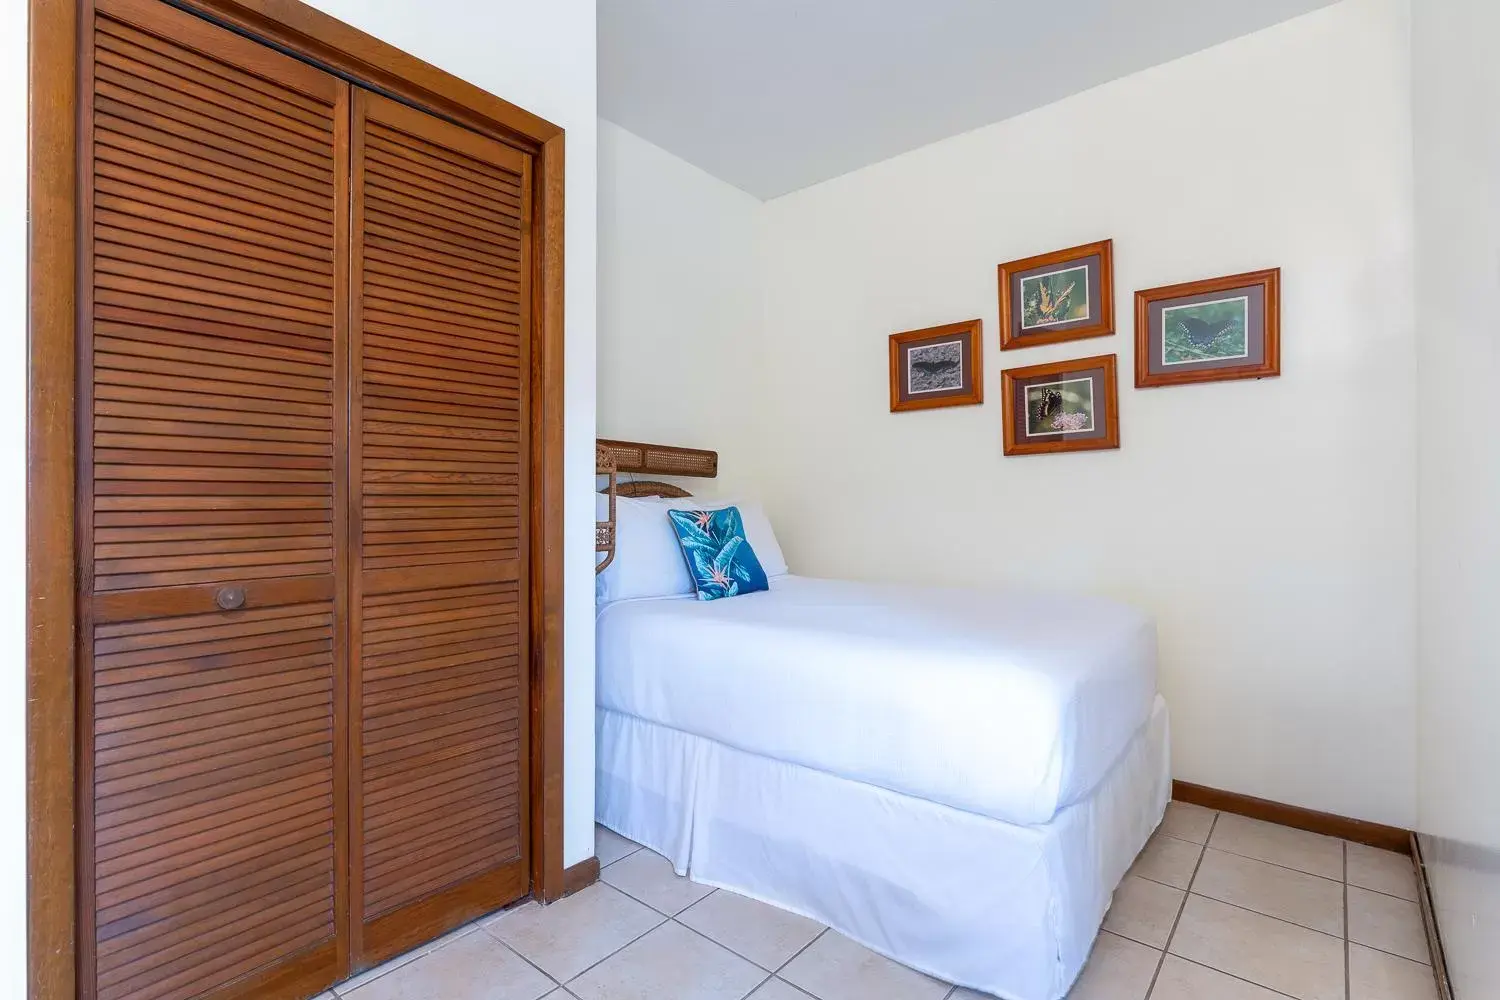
{"x":957,"y":779}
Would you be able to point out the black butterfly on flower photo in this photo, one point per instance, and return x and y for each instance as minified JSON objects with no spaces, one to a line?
{"x":1204,"y":331}
{"x":1044,"y":403}
{"x":1060,"y":407}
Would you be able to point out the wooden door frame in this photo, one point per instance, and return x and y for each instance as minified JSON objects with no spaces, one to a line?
{"x":51,"y":563}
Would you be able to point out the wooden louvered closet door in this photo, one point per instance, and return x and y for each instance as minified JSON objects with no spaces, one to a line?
{"x":437,"y":457}
{"x":213,"y":361}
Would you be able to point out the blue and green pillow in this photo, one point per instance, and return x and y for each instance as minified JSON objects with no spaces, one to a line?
{"x":718,"y":556}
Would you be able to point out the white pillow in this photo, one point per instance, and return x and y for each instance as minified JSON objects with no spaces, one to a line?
{"x":757,"y":529}
{"x":648,"y":559}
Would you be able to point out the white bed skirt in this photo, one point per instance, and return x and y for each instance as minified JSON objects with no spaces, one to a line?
{"x":1009,"y":910}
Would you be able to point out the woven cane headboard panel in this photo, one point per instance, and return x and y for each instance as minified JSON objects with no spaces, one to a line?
{"x":661,"y":459}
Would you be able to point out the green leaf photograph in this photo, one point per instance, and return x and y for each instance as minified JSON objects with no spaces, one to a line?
{"x":1055,"y":297}
{"x":1205,"y":331}
{"x":1065,"y":407}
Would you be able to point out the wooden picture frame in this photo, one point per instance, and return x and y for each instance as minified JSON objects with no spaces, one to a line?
{"x":1057,"y":387}
{"x":953,"y":375}
{"x":1248,"y":302}
{"x":1030,"y":320}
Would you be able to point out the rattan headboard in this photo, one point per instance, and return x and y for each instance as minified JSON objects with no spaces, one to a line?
{"x":660,"y":459}
{"x":614,"y":457}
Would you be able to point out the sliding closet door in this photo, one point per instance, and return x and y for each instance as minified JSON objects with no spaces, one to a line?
{"x":438,"y":465}
{"x":212,"y":768}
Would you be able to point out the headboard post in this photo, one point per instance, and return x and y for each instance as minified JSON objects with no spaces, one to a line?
{"x":604,"y":531}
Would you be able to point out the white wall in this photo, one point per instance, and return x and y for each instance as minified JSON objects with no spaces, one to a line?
{"x":679,"y":304}
{"x":1456,"y":89}
{"x":12,"y":500}
{"x":1269,"y":526}
{"x":540,"y":56}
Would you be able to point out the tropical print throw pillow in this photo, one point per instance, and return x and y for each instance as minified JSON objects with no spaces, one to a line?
{"x":721,"y":561}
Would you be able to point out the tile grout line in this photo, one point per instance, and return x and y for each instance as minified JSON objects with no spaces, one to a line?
{"x":1381,"y":892}
{"x":1295,"y":871}
{"x":672,"y":919}
{"x":816,"y":938}
{"x":1290,"y":923}
{"x":1273,"y":864}
{"x":1205,"y":848}
{"x":773,"y":973}
{"x":1161,"y":957}
{"x":1268,"y":916}
{"x":506,"y":945}
{"x":1126,"y":937}
{"x":394,"y":966}
{"x":769,"y":976}
{"x":1230,"y":975}
{"x":1262,"y":913}
{"x":720,"y":944}
{"x":1349,"y":987}
{"x":797,"y":989}
{"x":636,"y":849}
{"x":777,"y":974}
{"x":479,"y":925}
{"x":655,"y":909}
{"x":585,"y":971}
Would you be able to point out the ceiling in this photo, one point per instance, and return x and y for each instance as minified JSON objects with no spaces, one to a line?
{"x":775,"y":95}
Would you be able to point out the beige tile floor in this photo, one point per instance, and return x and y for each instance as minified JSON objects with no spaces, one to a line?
{"x":1218,"y":907}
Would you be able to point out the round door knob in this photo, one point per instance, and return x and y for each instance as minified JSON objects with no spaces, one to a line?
{"x":230,"y":598}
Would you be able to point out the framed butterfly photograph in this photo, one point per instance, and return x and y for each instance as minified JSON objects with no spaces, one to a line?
{"x":1063,"y":406}
{"x":1209,"y":331}
{"x":938,"y":366}
{"x":1053,"y":297}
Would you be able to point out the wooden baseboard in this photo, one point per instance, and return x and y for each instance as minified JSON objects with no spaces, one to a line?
{"x":1429,"y":921}
{"x":580,"y":876}
{"x":1360,"y":831}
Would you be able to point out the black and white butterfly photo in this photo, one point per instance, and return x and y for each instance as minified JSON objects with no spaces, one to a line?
{"x":935,"y":367}
{"x":1205,"y":331}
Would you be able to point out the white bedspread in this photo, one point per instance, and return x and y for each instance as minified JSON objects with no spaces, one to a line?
{"x":1008,"y":704}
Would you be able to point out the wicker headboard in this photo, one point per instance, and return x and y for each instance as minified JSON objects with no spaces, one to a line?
{"x":614,"y":457}
{"x":660,"y":459}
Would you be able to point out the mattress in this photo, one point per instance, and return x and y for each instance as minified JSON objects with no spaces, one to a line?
{"x":1006,"y":704}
